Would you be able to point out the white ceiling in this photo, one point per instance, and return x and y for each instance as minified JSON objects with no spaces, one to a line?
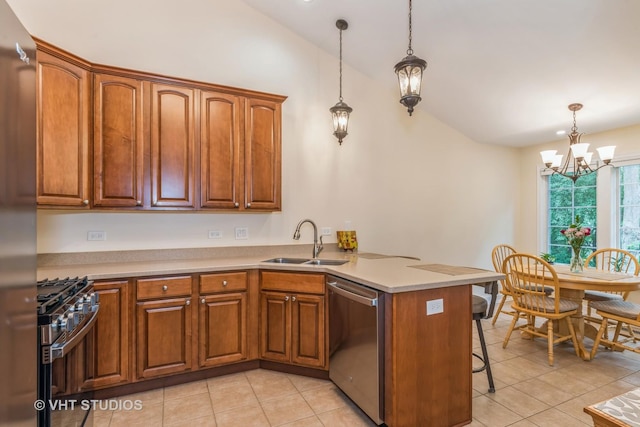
{"x":499,"y":71}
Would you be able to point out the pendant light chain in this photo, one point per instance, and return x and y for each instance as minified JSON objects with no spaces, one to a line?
{"x":575,"y":127}
{"x":410,"y":51}
{"x":340,"y":98}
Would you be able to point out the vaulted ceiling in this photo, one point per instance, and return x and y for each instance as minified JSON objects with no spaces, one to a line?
{"x":499,"y":71}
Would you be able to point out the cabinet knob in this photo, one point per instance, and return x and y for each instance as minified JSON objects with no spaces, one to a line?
{"x":188,"y":302}
{"x":236,"y":204}
{"x":224,"y":283}
{"x":85,"y":202}
{"x":165,"y":288}
{"x":286,"y":298}
{"x":248,"y":205}
{"x":202,"y":301}
{"x":293,"y":298}
{"x":138,"y":202}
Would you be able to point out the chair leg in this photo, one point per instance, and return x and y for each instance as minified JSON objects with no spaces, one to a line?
{"x":603,"y":327}
{"x":499,"y":310}
{"x":550,"y":341}
{"x":513,"y":325}
{"x":485,"y":357}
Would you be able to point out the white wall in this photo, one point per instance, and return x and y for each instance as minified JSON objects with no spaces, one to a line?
{"x":627,"y":142}
{"x":409,"y":186}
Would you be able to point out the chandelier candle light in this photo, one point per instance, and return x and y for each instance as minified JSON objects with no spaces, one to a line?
{"x":409,"y":72}
{"x":578,"y":162}
{"x":340,"y":112}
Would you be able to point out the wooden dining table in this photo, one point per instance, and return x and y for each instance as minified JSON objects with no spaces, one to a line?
{"x":572,"y":287}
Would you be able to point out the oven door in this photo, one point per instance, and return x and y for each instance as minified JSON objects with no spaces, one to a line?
{"x":67,"y":411}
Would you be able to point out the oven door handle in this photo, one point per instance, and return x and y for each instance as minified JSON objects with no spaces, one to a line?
{"x":64,"y":349}
{"x":371,"y":302}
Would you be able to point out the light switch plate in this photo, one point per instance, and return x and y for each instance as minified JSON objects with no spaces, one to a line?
{"x":215,"y":234}
{"x":242,"y":233}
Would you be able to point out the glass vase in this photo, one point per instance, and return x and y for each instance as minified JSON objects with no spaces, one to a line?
{"x":577,"y":263}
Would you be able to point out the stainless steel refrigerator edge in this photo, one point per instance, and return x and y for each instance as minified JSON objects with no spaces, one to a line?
{"x":18,"y":340}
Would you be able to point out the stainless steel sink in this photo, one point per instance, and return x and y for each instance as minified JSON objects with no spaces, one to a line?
{"x":326,"y":261}
{"x":314,"y":261}
{"x":287,"y":260}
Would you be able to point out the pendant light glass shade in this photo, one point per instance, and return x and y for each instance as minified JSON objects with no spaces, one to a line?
{"x":409,"y":72}
{"x":340,"y":112}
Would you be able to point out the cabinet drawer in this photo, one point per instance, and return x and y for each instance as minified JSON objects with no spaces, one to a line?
{"x":223,"y":282}
{"x":292,"y":282}
{"x":165,"y":287}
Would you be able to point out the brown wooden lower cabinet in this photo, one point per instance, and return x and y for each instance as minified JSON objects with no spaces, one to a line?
{"x":163,"y":332}
{"x":222,"y":329}
{"x":293,"y":323}
{"x":107,"y":346}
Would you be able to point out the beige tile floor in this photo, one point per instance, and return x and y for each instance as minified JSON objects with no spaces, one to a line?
{"x":529,"y":392}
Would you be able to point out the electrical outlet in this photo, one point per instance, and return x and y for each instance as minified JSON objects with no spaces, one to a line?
{"x":215,"y":234}
{"x":435,"y":306}
{"x":242,"y":233}
{"x":326,"y":231}
{"x":96,"y":235}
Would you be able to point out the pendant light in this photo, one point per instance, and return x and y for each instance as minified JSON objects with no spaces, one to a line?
{"x":340,"y":112}
{"x":409,"y":72}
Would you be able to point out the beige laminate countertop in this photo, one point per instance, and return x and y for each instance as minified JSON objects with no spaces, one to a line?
{"x":387,"y":274}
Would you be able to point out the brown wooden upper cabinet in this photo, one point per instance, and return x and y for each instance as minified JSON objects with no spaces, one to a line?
{"x":63,"y":111}
{"x":118,"y":141}
{"x":157,"y":142}
{"x":173,"y":167}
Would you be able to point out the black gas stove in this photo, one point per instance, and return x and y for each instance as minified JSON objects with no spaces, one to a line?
{"x":67,"y":310}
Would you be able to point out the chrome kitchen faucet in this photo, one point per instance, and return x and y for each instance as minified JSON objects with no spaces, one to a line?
{"x":317,"y":247}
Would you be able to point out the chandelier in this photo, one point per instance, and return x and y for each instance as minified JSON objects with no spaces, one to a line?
{"x":340,"y":112}
{"x":409,"y":72}
{"x":578,"y":162}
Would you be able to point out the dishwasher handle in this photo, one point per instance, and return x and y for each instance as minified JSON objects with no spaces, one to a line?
{"x":371,"y":302}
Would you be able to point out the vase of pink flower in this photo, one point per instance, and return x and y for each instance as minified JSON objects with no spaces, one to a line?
{"x":576,"y":235}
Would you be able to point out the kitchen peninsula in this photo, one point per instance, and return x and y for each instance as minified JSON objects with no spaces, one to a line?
{"x":427,"y":358}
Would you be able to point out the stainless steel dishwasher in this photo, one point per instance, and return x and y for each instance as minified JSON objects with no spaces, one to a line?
{"x":356,"y":344}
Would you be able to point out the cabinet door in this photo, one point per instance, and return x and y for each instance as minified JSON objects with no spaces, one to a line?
{"x":107,"y":345}
{"x":163,"y":337}
{"x":308,"y":330}
{"x":172,"y":146}
{"x":262,"y":154}
{"x":275,"y":331}
{"x":222,"y":329}
{"x":63,"y":107}
{"x":220,"y":155}
{"x":118,"y":138}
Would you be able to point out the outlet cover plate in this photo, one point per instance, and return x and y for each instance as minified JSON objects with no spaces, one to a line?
{"x":242,"y":233}
{"x":435,"y":306}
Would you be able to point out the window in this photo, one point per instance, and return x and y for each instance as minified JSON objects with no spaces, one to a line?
{"x":566,"y":200}
{"x":629,"y":213}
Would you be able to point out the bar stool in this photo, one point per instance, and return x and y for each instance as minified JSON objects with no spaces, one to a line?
{"x":483,"y":310}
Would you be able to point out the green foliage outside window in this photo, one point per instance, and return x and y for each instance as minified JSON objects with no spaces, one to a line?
{"x":566,"y":200}
{"x":630,"y":209}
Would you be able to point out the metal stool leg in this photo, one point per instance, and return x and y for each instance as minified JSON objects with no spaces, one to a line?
{"x":485,"y":357}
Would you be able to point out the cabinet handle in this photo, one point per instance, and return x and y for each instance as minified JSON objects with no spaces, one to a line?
{"x":165,"y":288}
{"x":224,"y":283}
{"x":138,"y":202}
{"x":248,"y":205}
{"x":85,"y":202}
{"x":188,"y":302}
{"x":202,"y":301}
{"x":286,"y":298}
{"x":236,"y":204}
{"x":293,"y":298}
